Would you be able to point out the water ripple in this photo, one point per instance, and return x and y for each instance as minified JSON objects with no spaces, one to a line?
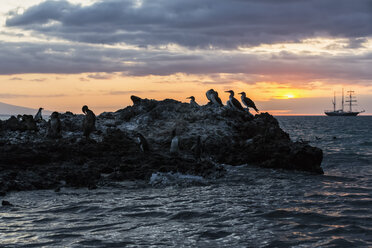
{"x":250,"y":207}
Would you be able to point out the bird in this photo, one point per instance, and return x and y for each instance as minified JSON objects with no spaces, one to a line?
{"x":38,"y":116}
{"x":54,"y":126}
{"x":89,"y":123}
{"x":212,"y":96}
{"x":192,"y":101}
{"x":233,"y":102}
{"x":248,"y":102}
{"x":142,"y":143}
{"x":174,"y":149}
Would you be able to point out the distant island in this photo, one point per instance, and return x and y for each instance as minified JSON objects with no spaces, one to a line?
{"x":9,"y":109}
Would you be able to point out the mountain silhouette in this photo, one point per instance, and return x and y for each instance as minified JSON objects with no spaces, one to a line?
{"x":9,"y":109}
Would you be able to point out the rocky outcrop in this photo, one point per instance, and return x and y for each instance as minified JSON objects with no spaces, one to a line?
{"x":31,"y":159}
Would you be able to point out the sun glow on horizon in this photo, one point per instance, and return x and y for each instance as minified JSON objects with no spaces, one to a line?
{"x":289,"y":95}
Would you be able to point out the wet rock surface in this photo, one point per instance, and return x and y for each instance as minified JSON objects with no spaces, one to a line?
{"x":31,"y":159}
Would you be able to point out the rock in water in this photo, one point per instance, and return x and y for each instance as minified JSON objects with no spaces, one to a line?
{"x":225,"y":133}
{"x":6,"y":203}
{"x":29,"y":160}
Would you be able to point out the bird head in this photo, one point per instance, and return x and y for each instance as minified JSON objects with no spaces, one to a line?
{"x":230,"y":91}
{"x":242,"y":93}
{"x":191,"y":97}
{"x":85,"y":109}
{"x":41,"y":108}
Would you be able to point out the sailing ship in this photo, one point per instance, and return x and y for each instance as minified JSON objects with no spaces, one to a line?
{"x":341,"y":112}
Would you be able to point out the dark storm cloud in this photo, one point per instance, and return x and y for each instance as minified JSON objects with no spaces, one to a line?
{"x":195,"y":23}
{"x":26,"y":57}
{"x":356,"y":43}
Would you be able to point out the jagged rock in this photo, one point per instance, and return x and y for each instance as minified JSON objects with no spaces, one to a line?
{"x":12,"y":124}
{"x":30,"y":160}
{"x":22,"y":123}
{"x":29,"y":123}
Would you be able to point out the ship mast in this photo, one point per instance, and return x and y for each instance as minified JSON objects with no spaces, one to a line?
{"x":350,"y":101}
{"x":342,"y":106}
{"x":334,"y":101}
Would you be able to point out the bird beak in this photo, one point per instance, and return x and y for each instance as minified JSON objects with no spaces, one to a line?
{"x":227,"y":91}
{"x":241,"y":93}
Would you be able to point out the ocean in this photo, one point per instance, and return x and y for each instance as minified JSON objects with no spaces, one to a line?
{"x":249,"y":207}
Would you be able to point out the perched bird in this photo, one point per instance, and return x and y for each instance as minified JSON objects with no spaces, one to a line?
{"x":233,"y":102}
{"x":174,"y":148}
{"x":89,"y":123}
{"x":212,"y":96}
{"x":142,"y":143}
{"x":54,"y":126}
{"x":38,"y":116}
{"x":192,"y":101}
{"x":248,"y":102}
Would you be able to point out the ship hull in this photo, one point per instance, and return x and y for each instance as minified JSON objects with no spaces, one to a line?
{"x":342,"y":113}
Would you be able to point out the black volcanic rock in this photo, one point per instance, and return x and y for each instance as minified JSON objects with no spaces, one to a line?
{"x":6,"y":203}
{"x":30,"y":160}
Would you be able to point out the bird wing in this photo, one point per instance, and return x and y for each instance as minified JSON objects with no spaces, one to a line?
{"x":237,"y":104}
{"x":249,"y":103}
{"x":219,"y":101}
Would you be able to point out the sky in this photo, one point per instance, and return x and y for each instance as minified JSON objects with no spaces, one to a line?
{"x":289,"y":56}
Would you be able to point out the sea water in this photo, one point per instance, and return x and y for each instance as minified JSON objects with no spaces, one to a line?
{"x":249,"y":207}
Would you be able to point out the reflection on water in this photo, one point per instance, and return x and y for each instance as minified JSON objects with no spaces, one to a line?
{"x":250,"y":207}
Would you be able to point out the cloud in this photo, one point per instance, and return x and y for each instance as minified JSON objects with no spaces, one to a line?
{"x":355,"y":43}
{"x":197,"y":24}
{"x":16,"y":79}
{"x":38,"y":80}
{"x":125,"y":92}
{"x":10,"y":95}
{"x":59,"y":58}
{"x":100,"y":76}
{"x":195,"y":37}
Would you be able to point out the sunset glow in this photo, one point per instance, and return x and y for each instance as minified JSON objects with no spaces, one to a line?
{"x":289,"y":96}
{"x":62,"y":64}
